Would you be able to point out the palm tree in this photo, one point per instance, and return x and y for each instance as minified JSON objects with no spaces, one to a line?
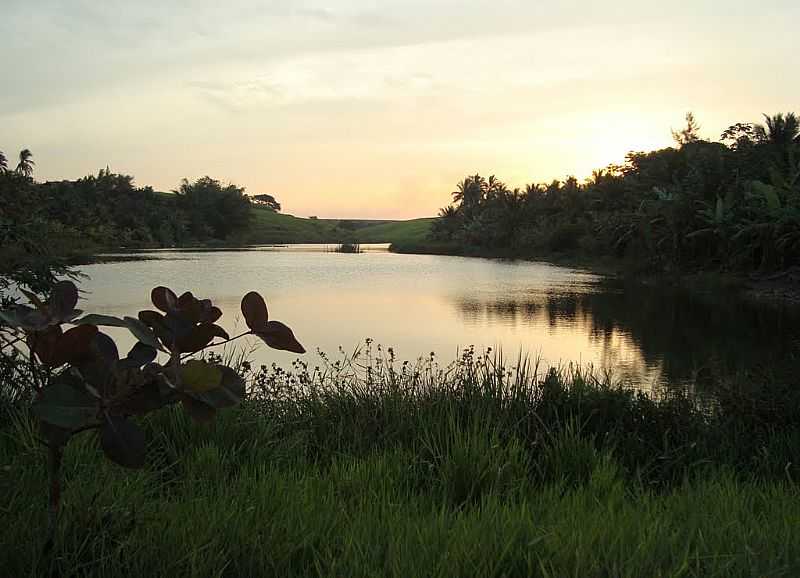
{"x":470,"y":192}
{"x":25,"y":165}
{"x":3,"y":163}
{"x":780,"y":130}
{"x":782,"y":137}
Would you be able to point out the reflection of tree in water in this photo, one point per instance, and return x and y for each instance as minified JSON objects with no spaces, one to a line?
{"x":691,"y":337}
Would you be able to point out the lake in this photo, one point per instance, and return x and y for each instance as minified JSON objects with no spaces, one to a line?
{"x":418,"y":304}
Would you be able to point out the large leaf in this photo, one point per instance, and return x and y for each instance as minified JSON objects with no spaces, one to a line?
{"x":199,"y":411}
{"x":63,"y":298}
{"x":135,"y":326}
{"x":145,"y":399}
{"x":279,"y":336}
{"x":45,"y":344}
{"x":104,"y":349}
{"x":141,"y":332}
{"x":74,"y":345}
{"x":123,"y":442}
{"x":254,"y":310}
{"x":230,"y":392}
{"x":198,"y":376}
{"x":190,"y":308}
{"x":139,"y":355}
{"x":25,"y":318}
{"x":64,"y":405}
{"x":158,"y":323}
{"x":200,"y":336}
{"x":164,"y":299}
{"x":769,"y":193}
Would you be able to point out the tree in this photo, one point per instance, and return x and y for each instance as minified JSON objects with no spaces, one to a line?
{"x":213,"y":210}
{"x":690,"y":133}
{"x":267,"y":201}
{"x":782,"y":131}
{"x":25,"y":165}
{"x":3,"y":163}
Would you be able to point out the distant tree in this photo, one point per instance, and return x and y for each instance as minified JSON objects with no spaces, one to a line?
{"x":781,"y":136}
{"x":347,"y":225}
{"x":213,"y":209}
{"x":780,"y":130}
{"x":3,"y":163}
{"x":25,"y":165}
{"x":470,"y":193}
{"x":267,"y":201}
{"x":690,"y":134}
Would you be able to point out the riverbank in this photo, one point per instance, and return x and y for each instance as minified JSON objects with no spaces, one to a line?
{"x":414,"y":472}
{"x":780,"y":287}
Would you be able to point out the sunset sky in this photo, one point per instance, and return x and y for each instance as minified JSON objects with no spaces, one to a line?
{"x":376,"y":109}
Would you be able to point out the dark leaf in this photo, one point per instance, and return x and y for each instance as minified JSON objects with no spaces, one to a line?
{"x":210,"y":313}
{"x":33,"y":298}
{"x":164,"y":299}
{"x":190,"y":308}
{"x":198,"y":376}
{"x":25,"y":317}
{"x":104,"y":348}
{"x":279,"y":336}
{"x":199,"y":411}
{"x":139,"y":355}
{"x":63,"y":298}
{"x":230,"y":392}
{"x":54,"y":435}
{"x":157,"y":322}
{"x":141,"y":332}
{"x":219,"y":332}
{"x":123,"y":442}
{"x":74,"y":345}
{"x":254,"y":310}
{"x":145,"y":399}
{"x":200,"y":336}
{"x":64,"y":405}
{"x":45,"y":344}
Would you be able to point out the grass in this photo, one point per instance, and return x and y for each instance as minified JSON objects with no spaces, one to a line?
{"x":400,"y":232}
{"x":368,"y":467}
{"x":269,"y":227}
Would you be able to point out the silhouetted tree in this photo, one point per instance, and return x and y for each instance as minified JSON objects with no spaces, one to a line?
{"x":689,"y":134}
{"x":213,"y":210}
{"x":25,"y":165}
{"x":3,"y":163}
{"x":267,"y":201}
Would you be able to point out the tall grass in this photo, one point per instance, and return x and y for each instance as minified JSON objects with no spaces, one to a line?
{"x":369,"y":467}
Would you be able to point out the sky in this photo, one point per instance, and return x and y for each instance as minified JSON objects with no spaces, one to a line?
{"x":354,"y":109}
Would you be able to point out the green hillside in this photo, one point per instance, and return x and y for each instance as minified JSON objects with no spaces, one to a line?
{"x":269,"y":227}
{"x":399,"y":232}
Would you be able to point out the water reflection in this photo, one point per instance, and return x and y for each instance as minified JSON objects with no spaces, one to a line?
{"x":676,"y":334}
{"x":423,"y":303}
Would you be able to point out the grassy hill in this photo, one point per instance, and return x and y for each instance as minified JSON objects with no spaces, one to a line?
{"x":270,"y":227}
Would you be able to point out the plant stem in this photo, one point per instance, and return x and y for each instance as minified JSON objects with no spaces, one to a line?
{"x":217,"y":344}
{"x":54,"y":455}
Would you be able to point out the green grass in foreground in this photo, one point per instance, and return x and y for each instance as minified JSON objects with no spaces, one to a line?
{"x":415,"y":471}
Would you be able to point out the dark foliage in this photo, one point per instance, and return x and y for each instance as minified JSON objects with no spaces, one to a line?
{"x":731,"y":205}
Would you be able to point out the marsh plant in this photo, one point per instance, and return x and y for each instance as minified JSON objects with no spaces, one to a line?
{"x":80,"y":383}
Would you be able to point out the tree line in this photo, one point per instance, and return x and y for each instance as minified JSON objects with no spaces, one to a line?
{"x":109,"y":210}
{"x":731,"y":204}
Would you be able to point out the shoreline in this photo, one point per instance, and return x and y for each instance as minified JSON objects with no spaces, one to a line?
{"x":781,"y":288}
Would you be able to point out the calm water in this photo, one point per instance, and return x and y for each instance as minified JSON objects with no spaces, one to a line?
{"x":419,"y":304}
